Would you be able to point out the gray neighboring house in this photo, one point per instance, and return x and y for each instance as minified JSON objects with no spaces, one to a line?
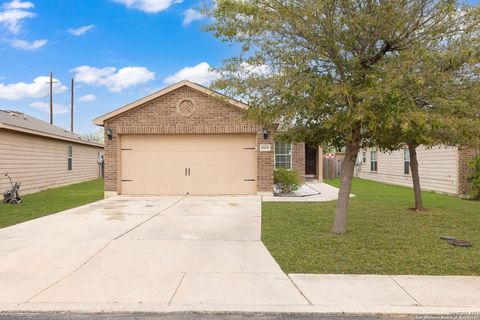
{"x":442,"y":169}
{"x":40,"y":155}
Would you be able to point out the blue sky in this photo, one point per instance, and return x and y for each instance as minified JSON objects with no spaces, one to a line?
{"x":118,"y":50}
{"x":125,"y":50}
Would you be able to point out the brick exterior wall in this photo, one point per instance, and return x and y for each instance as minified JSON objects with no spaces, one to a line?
{"x":464,"y":156}
{"x":160,"y":116}
{"x":298,"y":159}
{"x":265,"y":164}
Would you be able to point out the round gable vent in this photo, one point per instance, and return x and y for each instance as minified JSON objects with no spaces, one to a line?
{"x":186,"y":108}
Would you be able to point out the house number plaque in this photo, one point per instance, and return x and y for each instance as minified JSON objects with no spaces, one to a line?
{"x":265,"y":147}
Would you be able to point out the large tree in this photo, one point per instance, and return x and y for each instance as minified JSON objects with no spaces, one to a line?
{"x":318,"y":66}
{"x":436,"y":90}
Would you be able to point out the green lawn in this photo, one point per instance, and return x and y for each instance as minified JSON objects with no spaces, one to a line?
{"x":50,"y":201}
{"x":383,"y":238}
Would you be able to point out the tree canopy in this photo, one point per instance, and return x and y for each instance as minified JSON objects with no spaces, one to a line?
{"x":333,"y":71}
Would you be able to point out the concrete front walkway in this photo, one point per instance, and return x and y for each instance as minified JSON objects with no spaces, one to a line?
{"x":162,"y":254}
{"x":325,"y":191}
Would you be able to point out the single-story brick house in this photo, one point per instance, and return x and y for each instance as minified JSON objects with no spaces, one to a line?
{"x":187,"y":139}
{"x":40,"y":155}
{"x":442,"y":169}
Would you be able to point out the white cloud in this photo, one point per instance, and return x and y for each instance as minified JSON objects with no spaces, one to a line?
{"x":37,"y":89}
{"x":80,"y":31}
{"x":115,"y":80}
{"x":87,"y":98}
{"x":26,"y":45}
{"x":13,"y":14}
{"x":150,"y":6}
{"x":92,"y":75}
{"x":200,"y":74}
{"x":18,"y":4}
{"x":191,"y":15}
{"x":45,"y":107}
{"x":246,"y":69}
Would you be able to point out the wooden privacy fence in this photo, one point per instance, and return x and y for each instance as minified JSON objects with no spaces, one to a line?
{"x":332,"y":167}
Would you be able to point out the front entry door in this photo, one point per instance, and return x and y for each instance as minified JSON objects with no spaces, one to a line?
{"x":310,"y":161}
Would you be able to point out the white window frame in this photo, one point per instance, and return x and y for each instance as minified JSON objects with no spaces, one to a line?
{"x":282,"y":154}
{"x":69,"y":157}
{"x":374,"y":159}
{"x":406,"y":158}
{"x":364,"y":157}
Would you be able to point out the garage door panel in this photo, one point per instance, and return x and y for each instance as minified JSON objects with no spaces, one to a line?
{"x":152,"y":185}
{"x":219,"y":164}
{"x":237,"y":156}
{"x":155,"y":174}
{"x":141,"y":163}
{"x":217,"y":172}
{"x":148,"y":168}
{"x":147,"y":187}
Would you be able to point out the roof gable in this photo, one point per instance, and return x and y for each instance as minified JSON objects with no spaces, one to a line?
{"x":100,"y":120}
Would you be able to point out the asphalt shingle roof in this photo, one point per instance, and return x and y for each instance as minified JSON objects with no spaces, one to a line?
{"x":25,"y":121}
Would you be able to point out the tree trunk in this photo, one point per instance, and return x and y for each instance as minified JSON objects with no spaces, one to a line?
{"x":348,"y":168}
{"x":417,"y":190}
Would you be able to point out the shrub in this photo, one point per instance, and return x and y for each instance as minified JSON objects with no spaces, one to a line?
{"x":287,"y":181}
{"x":474,"y":179}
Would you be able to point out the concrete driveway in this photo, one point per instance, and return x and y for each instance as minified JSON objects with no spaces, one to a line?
{"x":144,"y":253}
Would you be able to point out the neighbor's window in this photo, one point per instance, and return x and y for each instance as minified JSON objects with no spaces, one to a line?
{"x":364,"y":156}
{"x":283,"y":155}
{"x":70,"y":158}
{"x":374,"y":160}
{"x":406,"y":161}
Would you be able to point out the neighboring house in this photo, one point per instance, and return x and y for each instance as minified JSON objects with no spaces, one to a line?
{"x":187,"y":139}
{"x":40,"y":155}
{"x":442,"y":169}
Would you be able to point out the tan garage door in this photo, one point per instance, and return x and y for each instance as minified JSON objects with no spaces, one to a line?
{"x":188,"y":164}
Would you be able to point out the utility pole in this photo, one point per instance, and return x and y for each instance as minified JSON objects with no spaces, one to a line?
{"x":72,"y":99}
{"x":50,"y":83}
{"x":51,"y":97}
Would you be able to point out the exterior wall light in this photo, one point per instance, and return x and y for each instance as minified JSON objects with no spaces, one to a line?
{"x":109,"y":133}
{"x":265,"y":133}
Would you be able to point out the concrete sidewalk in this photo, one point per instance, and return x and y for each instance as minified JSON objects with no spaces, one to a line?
{"x":325,"y":294}
{"x":391,"y":294}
